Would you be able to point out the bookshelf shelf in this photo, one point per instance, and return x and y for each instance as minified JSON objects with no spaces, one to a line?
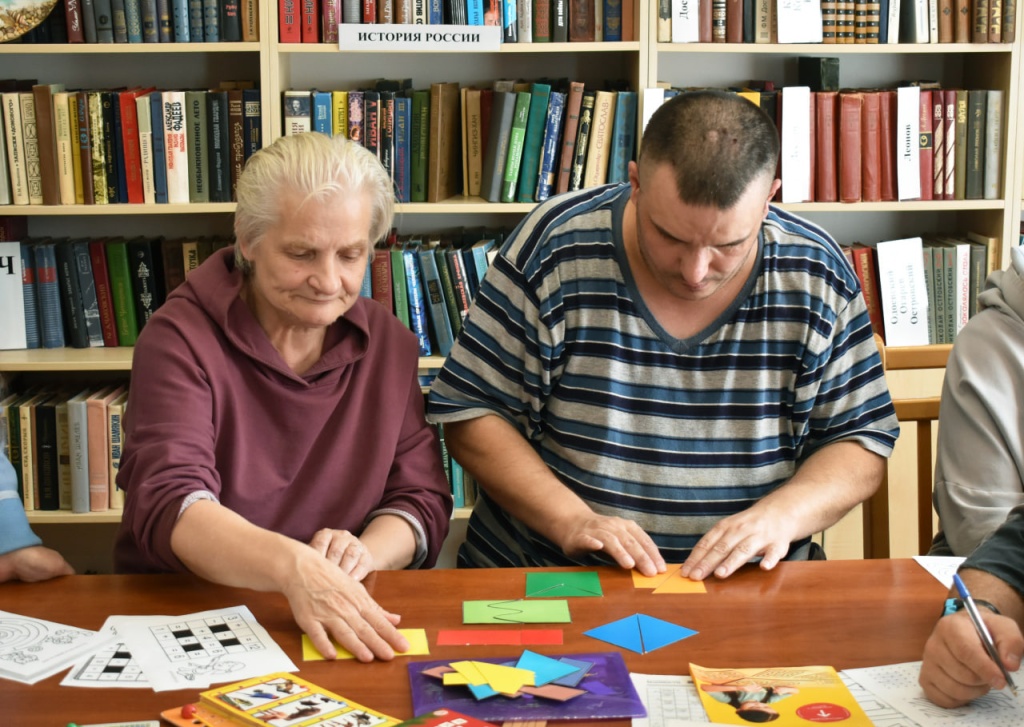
{"x":64,"y":517}
{"x":907,"y":206}
{"x":129,"y":48}
{"x":832,"y":49}
{"x":506,"y":49}
{"x":74,"y":210}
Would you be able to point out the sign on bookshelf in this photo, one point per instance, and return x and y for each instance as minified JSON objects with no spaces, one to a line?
{"x":393,"y":38}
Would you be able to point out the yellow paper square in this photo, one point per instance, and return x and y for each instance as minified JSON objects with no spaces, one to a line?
{"x":452,"y":678}
{"x":470,"y":670}
{"x":417,"y":639}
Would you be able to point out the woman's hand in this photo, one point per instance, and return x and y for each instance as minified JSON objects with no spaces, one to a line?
{"x":345,"y":550}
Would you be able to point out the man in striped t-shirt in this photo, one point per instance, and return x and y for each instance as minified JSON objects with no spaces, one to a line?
{"x":669,"y":369}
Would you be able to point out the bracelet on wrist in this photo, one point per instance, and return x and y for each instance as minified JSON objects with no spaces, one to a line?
{"x":953,"y":605}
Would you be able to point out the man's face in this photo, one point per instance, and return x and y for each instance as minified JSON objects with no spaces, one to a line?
{"x":692,"y":251}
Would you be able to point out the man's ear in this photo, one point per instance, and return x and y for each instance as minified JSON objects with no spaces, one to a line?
{"x":772,"y":191}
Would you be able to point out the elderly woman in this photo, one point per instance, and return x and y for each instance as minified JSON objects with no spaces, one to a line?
{"x":276,"y":439}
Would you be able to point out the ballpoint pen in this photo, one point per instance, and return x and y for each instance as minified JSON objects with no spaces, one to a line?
{"x":979,"y":626}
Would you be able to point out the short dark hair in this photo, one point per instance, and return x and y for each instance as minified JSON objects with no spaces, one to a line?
{"x":717,"y":143}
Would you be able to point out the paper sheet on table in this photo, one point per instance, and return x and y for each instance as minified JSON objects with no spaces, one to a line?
{"x":671,"y":701}
{"x":32,"y":649}
{"x":896,"y":686}
{"x":941,"y":566}
{"x":109,"y":666}
{"x":197,"y":650}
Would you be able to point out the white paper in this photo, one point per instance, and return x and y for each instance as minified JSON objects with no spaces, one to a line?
{"x":942,"y":567}
{"x":908,"y":151}
{"x":32,"y":649}
{"x":796,"y":152}
{"x":896,"y":685}
{"x":197,"y":650}
{"x":111,"y":665}
{"x":651,"y":100}
{"x":670,"y":700}
{"x":904,"y":292}
{"x":799,"y":21}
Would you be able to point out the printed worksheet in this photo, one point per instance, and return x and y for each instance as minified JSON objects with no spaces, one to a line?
{"x":896,"y":685}
{"x":670,"y":700}
{"x":111,"y":665}
{"x":197,"y":650}
{"x":32,"y":649}
{"x":941,"y":566}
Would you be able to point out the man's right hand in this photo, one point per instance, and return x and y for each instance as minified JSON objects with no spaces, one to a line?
{"x":956,"y":668}
{"x":623,"y":540}
{"x":328,"y":603}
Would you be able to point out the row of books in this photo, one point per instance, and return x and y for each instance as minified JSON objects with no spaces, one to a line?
{"x":837,"y":21}
{"x":462,"y":483}
{"x":521,"y":21}
{"x":125,"y":146}
{"x":66,"y":446}
{"x":511,"y":142}
{"x":923,"y":290}
{"x":148,"y":21}
{"x":89,"y":293}
{"x":918,"y":141}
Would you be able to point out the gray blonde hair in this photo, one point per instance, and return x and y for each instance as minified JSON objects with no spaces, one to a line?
{"x":317,"y":167}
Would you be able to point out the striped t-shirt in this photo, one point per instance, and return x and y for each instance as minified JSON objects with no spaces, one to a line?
{"x":674,"y":434}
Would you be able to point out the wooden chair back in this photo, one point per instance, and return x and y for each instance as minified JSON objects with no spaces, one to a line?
{"x":924,"y":413}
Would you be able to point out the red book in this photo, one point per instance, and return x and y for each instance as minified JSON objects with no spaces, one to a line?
{"x":101,"y":277}
{"x":826,"y":188}
{"x":949,"y":151}
{"x":289,"y":21}
{"x":572,"y":120}
{"x":73,"y":16}
{"x":310,"y":14}
{"x":130,"y":142}
{"x":866,"y":271}
{"x":369,"y":11}
{"x":331,"y":18}
{"x":927,"y":150}
{"x":733,"y":21}
{"x":887,"y":150}
{"x":850,"y":108}
{"x":380,"y":278}
{"x":870,"y":149}
{"x":938,"y":144}
{"x":705,"y":33}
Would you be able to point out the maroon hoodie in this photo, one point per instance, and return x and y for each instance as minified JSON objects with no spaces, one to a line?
{"x":213,"y":407}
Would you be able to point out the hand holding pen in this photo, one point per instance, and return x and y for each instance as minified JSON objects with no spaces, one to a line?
{"x":983,"y":633}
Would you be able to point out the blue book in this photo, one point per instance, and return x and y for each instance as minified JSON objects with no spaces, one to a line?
{"x":252,"y":116}
{"x":536,"y":124}
{"x":119,"y":164}
{"x":435,"y":12}
{"x":550,"y":147}
{"x":159,"y":160}
{"x":474,"y":12}
{"x":437,"y":310}
{"x":612,"y":26}
{"x":417,"y":306}
{"x":73,"y":312}
{"x":623,"y":137}
{"x":104,"y":14}
{"x":179,"y":20}
{"x":133,"y":20}
{"x":480,"y":261}
{"x":28,"y":291}
{"x":195,"y":21}
{"x":211,"y":21}
{"x":457,"y":481}
{"x":322,"y":112}
{"x":118,"y":19}
{"x":366,"y":289}
{"x":509,"y":22}
{"x":87,"y":290}
{"x":403,"y":148}
{"x":51,"y":324}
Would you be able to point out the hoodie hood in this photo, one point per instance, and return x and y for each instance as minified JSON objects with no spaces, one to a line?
{"x":215,"y":287}
{"x":1004,"y":289}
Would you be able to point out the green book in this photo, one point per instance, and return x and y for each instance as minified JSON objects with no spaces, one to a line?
{"x":540,"y":94}
{"x":198,"y":154}
{"x":420,"y":138}
{"x":398,"y":283}
{"x":121,"y":292}
{"x":516,"y":141}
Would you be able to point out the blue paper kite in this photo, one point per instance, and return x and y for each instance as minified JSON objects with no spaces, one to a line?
{"x":640,"y":633}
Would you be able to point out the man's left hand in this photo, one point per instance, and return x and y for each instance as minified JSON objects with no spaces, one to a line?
{"x":345,"y":550}
{"x":736,"y":540}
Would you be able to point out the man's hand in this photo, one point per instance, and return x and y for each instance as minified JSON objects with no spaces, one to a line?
{"x":956,"y":668}
{"x":623,"y":540}
{"x":736,"y":540}
{"x":329,"y":603}
{"x":345,"y":550}
{"x":33,"y":564}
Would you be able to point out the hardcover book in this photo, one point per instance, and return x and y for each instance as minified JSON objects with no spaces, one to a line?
{"x":595,"y":172}
{"x":12,"y":297}
{"x":496,"y":151}
{"x":550,"y":147}
{"x":536,"y":122}
{"x":104,"y":295}
{"x":443,"y":163}
{"x":176,"y":151}
{"x":197,"y":143}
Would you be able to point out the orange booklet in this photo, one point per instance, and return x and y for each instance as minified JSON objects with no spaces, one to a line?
{"x":784,"y":696}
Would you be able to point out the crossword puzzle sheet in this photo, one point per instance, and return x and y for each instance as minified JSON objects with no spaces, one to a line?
{"x":32,"y":649}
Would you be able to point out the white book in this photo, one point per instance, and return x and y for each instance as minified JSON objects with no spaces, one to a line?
{"x":799,"y":21}
{"x":78,"y":450}
{"x":651,"y":100}
{"x":908,"y":167}
{"x":176,"y":147}
{"x":115,"y":438}
{"x":796,"y":151}
{"x":524,"y":20}
{"x":933,"y":21}
{"x":15,"y":147}
{"x":685,"y":21}
{"x":143,"y":111}
{"x":993,"y":144}
{"x":894,"y":22}
{"x":764,"y":21}
{"x":12,"y":300}
{"x":30,"y":136}
{"x":66,"y":147}
{"x":598,"y":21}
{"x":904,"y":292}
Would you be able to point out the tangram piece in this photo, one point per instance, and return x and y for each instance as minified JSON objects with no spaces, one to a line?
{"x":469,"y":670}
{"x":515,"y":611}
{"x":501,"y":637}
{"x":505,"y":679}
{"x":571,"y":680}
{"x":544,"y":668}
{"x":562,"y":585}
{"x":553,"y":691}
{"x":417,"y":639}
{"x":669,"y":582}
{"x":640,"y":633}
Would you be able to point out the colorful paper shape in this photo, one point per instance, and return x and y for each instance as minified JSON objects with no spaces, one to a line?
{"x":571,"y":680}
{"x":544,"y":668}
{"x":553,"y":691}
{"x":669,"y":582}
{"x":562,"y":585}
{"x":500,"y":637}
{"x":417,"y":639}
{"x":515,"y":611}
{"x":640,"y":633}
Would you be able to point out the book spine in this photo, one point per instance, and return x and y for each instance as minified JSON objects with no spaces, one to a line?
{"x":121,"y":293}
{"x":582,"y":140}
{"x":145,"y":287}
{"x":51,"y":324}
{"x":417,"y":306}
{"x":623,"y":137}
{"x":573,"y":103}
{"x":196,"y":138}
{"x":118,"y":17}
{"x":230,"y":21}
{"x":595,"y":171}
{"x":434,"y":300}
{"x":515,"y":147}
{"x":46,"y":455}
{"x":309,"y":21}
{"x":103,"y":13}
{"x":134,"y":19}
{"x":289,"y":23}
{"x":63,"y":456}
{"x":73,"y":20}
{"x":71,"y":296}
{"x":49,"y":174}
{"x":28,"y":456}
{"x":33,"y":338}
{"x":250,"y":21}
{"x":144,"y":117}
{"x":156,"y":117}
{"x":253,"y":114}
{"x":115,"y":440}
{"x":15,"y":148}
{"x":132,"y":151}
{"x":195,"y":21}
{"x":548,"y":171}
{"x":176,"y":147}
{"x":993,"y":141}
{"x":99,"y":471}
{"x":87,"y":292}
{"x":30,"y":138}
{"x":104,"y":299}
{"x":403,"y":150}
{"x":97,"y":146}
{"x":420,"y":145}
{"x":162,"y":10}
{"x":236,"y":123}
{"x":66,"y":148}
{"x":179,"y":12}
{"x":117,"y":189}
{"x":218,"y":150}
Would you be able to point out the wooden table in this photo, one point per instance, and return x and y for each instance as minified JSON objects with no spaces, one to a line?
{"x":841,"y":613}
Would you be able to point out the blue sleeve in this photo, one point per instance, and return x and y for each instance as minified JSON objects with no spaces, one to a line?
{"x":15,"y":533}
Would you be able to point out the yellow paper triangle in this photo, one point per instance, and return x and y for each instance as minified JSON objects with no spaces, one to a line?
{"x":505,"y":679}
